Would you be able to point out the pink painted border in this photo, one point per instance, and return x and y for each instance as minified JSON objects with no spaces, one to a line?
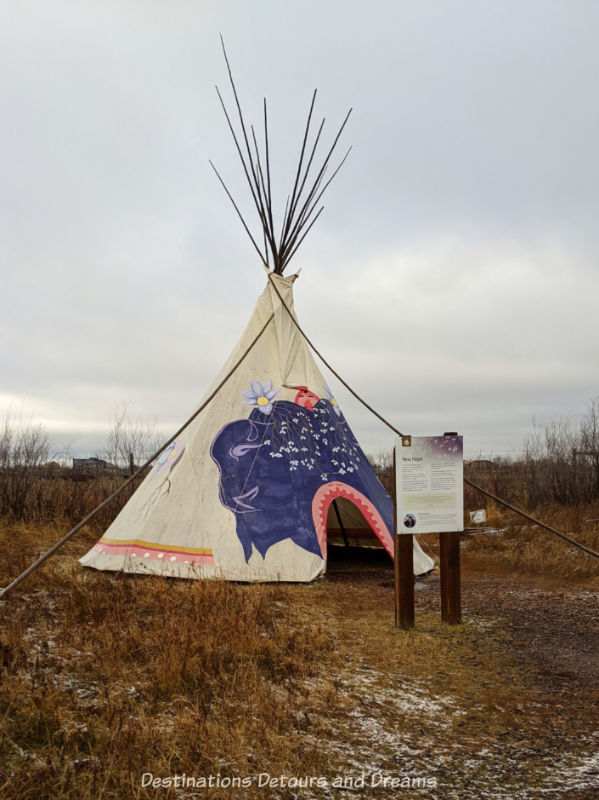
{"x":167,"y":556}
{"x":323,"y":499}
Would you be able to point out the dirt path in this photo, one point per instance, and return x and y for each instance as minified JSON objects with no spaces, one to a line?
{"x":526,"y":726}
{"x":554,"y":629}
{"x":554,"y":633}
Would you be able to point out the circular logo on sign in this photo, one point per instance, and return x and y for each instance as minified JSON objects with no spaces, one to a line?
{"x":409,"y":521}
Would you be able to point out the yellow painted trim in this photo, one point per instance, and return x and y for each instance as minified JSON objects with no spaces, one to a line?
{"x":153,"y":546}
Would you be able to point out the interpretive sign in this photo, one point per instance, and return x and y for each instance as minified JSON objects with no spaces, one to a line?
{"x":429,"y":484}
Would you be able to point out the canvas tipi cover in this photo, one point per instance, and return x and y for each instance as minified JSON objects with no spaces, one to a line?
{"x":245,"y":491}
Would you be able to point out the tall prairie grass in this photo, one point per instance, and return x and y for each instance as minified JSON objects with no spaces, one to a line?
{"x":61,"y":494}
{"x":107,"y":676}
{"x":526,"y":549}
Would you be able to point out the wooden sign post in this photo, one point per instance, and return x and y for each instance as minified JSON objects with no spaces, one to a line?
{"x":429,"y":498}
{"x":451,"y":601}
{"x":403,"y":568}
{"x":449,"y":567}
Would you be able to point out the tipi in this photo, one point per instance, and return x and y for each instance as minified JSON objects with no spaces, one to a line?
{"x":245,"y":492}
{"x":249,"y":489}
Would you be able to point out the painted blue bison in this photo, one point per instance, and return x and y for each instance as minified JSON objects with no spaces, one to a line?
{"x":281,"y":468}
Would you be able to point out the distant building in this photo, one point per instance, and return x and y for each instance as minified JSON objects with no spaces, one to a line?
{"x":92,"y":465}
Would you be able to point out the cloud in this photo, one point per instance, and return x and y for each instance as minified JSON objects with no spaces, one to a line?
{"x":452,"y":276}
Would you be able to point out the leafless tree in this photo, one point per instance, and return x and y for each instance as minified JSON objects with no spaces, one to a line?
{"x":127,"y":436}
{"x":562,"y":459}
{"x":24,"y":448}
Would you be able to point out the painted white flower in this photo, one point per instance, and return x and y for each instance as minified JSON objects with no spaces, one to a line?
{"x":260,"y":396}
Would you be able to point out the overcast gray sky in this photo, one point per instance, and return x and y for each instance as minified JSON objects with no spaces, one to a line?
{"x":452,"y":279}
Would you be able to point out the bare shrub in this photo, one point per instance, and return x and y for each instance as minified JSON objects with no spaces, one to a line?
{"x":128,"y":437}
{"x":31,"y":489}
{"x":562,"y":460}
{"x":382,"y":464}
{"x":24,"y":448}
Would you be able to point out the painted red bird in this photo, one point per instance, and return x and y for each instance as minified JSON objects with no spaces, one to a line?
{"x":305,"y":397}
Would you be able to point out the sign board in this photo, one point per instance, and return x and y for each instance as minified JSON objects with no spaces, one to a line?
{"x":429,"y":484}
{"x":477,"y":517}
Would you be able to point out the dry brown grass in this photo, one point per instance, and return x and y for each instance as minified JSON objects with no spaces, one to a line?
{"x":106,"y":676}
{"x":62,"y":495}
{"x":527,"y":549}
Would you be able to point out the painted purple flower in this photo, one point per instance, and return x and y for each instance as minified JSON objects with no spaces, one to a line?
{"x":332,"y":400}
{"x":260,"y":396}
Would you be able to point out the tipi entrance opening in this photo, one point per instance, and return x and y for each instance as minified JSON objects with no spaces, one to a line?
{"x":344,"y":516}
